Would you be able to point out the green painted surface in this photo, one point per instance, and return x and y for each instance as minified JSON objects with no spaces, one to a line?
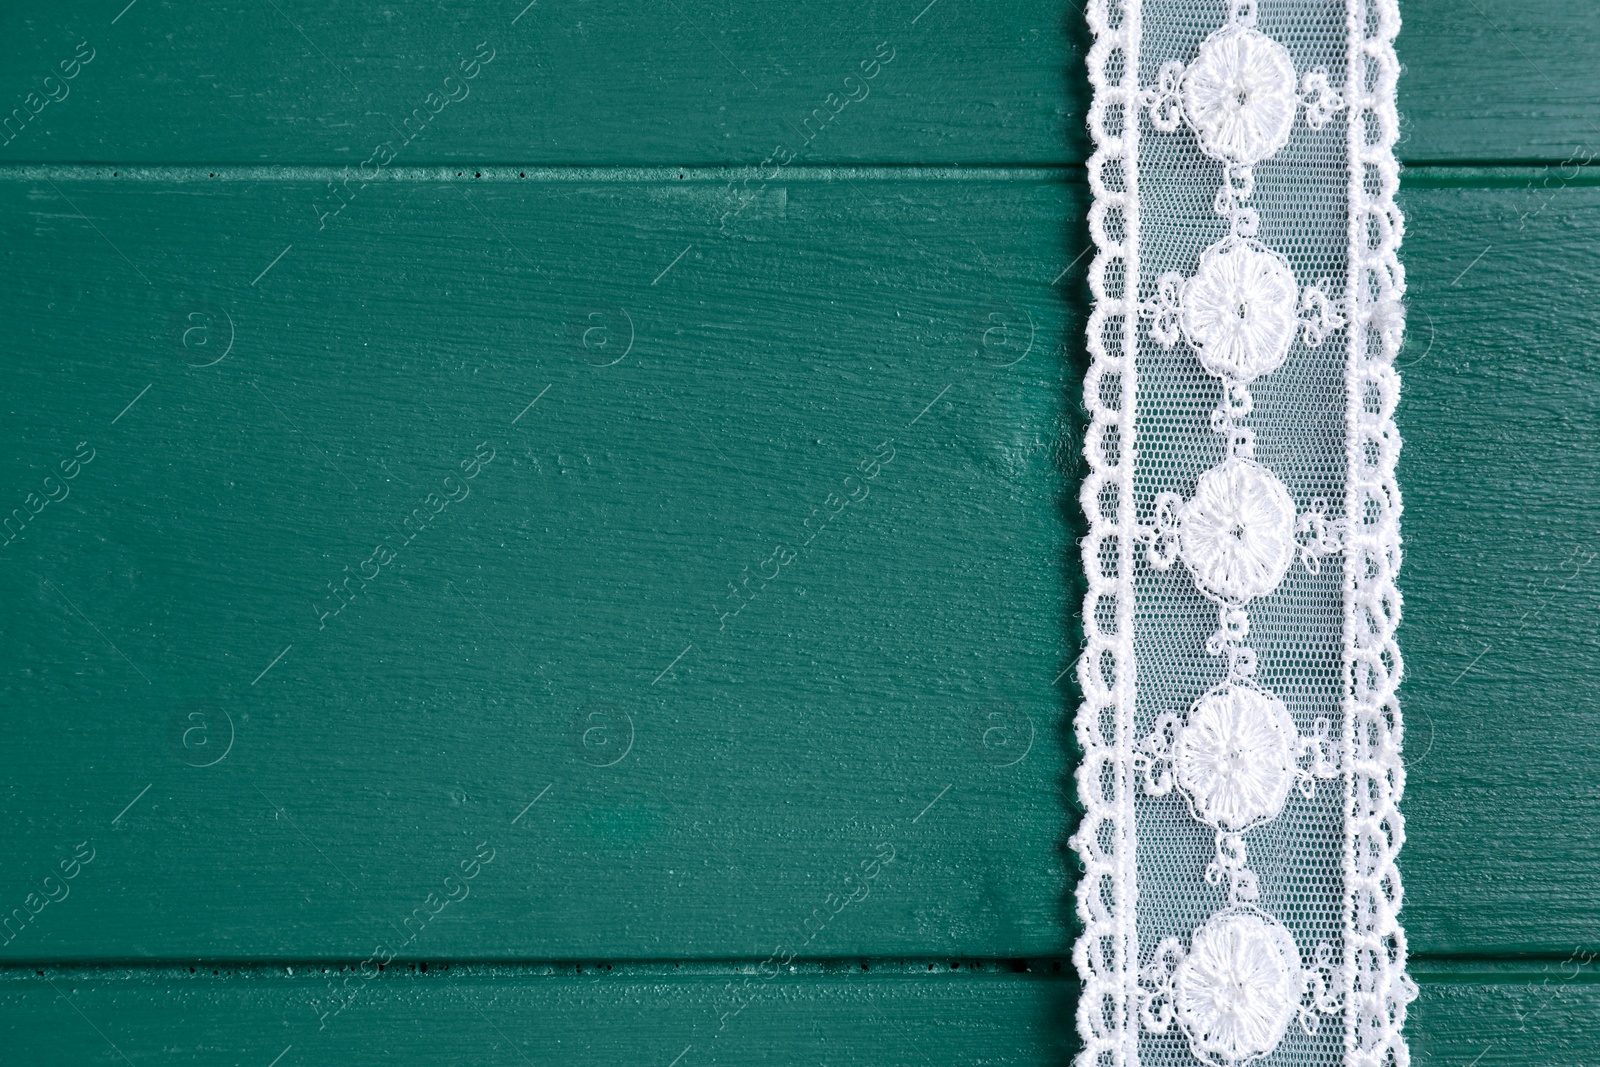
{"x":883,"y":1013}
{"x":232,"y":375}
{"x":745,"y":600}
{"x":716,"y":1016}
{"x":686,"y":82}
{"x":1498,"y":82}
{"x":691,"y":82}
{"x":1502,"y":569}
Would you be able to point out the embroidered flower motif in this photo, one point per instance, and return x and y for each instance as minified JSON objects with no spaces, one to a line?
{"x":1239,"y":95}
{"x":1240,"y":310}
{"x":1238,"y":531}
{"x":1238,"y":988}
{"x":1236,"y":757}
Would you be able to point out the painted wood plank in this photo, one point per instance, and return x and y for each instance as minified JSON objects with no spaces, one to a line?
{"x":690,"y":82}
{"x":620,"y":1017}
{"x":1502,"y":571}
{"x":1507,"y":1014}
{"x":1499,"y":82}
{"x":607,"y":82}
{"x":909,"y":1013}
{"x":719,"y":575}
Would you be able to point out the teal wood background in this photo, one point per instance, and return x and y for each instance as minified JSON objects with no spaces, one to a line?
{"x":774,"y":579}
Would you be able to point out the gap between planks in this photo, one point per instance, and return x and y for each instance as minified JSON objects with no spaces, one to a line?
{"x":1414,"y":175}
{"x":171,"y":174}
{"x":1487,"y":970}
{"x":289,"y":969}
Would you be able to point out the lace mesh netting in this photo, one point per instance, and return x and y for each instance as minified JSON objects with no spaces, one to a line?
{"x":1240,"y":727}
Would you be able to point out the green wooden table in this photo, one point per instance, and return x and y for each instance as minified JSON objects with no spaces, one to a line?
{"x":547,"y":534}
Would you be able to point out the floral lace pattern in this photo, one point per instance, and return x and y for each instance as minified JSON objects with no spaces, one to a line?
{"x":1237,"y":532}
{"x":1235,"y":757}
{"x":1237,"y":989}
{"x":1236,"y":985}
{"x":1238,"y":95}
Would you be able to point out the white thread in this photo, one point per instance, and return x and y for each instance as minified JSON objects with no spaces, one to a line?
{"x":1239,"y":96}
{"x":1236,"y":989}
{"x":1235,"y":757}
{"x":1239,"y":310}
{"x":1239,"y":988}
{"x":1237,"y":532}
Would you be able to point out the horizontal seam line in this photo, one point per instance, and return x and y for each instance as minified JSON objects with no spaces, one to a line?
{"x":1046,"y":959}
{"x":1500,"y":957}
{"x":540,"y":961}
{"x":504,"y":172}
{"x":1497,"y":957}
{"x":519,"y":173}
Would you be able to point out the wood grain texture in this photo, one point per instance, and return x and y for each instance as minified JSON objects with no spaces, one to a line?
{"x":598,"y":1018}
{"x":233,"y":370}
{"x":606,"y":82}
{"x":795,"y":723}
{"x":694,"y":82}
{"x":1502,"y":571}
{"x":1488,"y":82}
{"x":1507,"y":1014}
{"x":910,"y":1014}
{"x":858,"y":396}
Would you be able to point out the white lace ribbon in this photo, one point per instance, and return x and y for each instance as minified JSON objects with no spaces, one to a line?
{"x":1240,"y":729}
